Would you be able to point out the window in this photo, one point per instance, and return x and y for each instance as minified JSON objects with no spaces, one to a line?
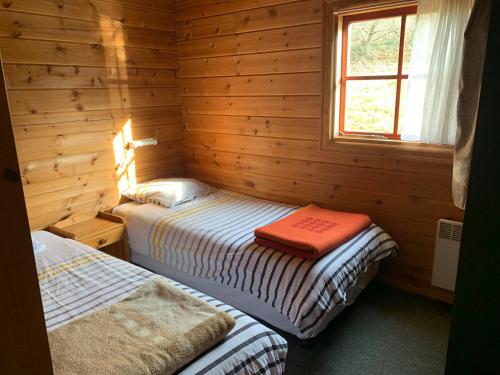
{"x":374,"y":61}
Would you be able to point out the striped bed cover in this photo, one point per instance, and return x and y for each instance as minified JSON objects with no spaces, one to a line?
{"x":212,"y":238}
{"x":76,"y":280}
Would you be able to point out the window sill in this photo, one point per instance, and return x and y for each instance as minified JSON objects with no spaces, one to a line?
{"x":353,"y":143}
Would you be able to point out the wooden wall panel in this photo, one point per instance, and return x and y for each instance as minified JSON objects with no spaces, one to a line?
{"x":77,"y":71}
{"x":59,"y":100}
{"x":304,"y":60}
{"x":40,"y":27}
{"x":251,"y":100}
{"x":271,"y":40}
{"x":23,"y":51}
{"x":279,"y":84}
{"x":78,"y":77}
{"x":192,"y":9}
{"x":87,"y":10}
{"x":297,"y":13}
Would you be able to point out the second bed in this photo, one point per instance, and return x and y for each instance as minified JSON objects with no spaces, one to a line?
{"x":208,"y":244}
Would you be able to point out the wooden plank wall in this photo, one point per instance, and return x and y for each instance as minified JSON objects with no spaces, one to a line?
{"x":251,"y":98}
{"x":77,"y":71}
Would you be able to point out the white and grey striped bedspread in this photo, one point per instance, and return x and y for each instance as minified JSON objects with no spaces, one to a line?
{"x":212,"y":238}
{"x":76,"y":280}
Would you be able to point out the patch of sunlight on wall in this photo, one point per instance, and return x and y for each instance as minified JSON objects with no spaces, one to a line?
{"x":125,"y":158}
{"x":116,"y":66}
{"x":115,"y":60}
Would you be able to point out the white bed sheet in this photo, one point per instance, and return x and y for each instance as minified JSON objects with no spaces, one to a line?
{"x":210,"y":240}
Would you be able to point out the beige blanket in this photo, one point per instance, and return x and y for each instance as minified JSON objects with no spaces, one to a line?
{"x":156,"y":330}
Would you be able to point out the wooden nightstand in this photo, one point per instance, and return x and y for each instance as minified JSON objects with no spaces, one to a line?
{"x":105,"y":232}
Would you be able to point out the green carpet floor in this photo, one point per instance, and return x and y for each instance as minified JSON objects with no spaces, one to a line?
{"x":387,"y":331}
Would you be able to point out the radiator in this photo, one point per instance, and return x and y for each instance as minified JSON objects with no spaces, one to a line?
{"x":444,"y":270}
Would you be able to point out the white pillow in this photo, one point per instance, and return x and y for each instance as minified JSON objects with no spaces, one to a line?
{"x":168,"y":192}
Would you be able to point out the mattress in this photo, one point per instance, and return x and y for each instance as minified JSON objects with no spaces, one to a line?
{"x":210,"y":240}
{"x":76,"y":280}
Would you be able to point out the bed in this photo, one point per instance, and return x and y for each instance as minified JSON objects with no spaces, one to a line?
{"x":208,"y":244}
{"x":76,"y":280}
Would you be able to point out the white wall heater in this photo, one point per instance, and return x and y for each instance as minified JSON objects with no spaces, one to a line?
{"x":448,"y":237}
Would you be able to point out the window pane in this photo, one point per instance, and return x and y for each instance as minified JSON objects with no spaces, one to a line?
{"x":374,"y":47}
{"x":409,"y":32}
{"x":370,"y":106}
{"x":402,"y":102}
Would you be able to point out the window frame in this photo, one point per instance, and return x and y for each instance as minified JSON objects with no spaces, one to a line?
{"x":347,"y":20}
{"x":333,"y":11}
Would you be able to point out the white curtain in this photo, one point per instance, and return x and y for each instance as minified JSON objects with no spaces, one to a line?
{"x":435,"y":67}
{"x":476,"y":38}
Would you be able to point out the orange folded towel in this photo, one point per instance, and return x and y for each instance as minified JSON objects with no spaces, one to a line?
{"x":287,"y":249}
{"x":312,"y":231}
